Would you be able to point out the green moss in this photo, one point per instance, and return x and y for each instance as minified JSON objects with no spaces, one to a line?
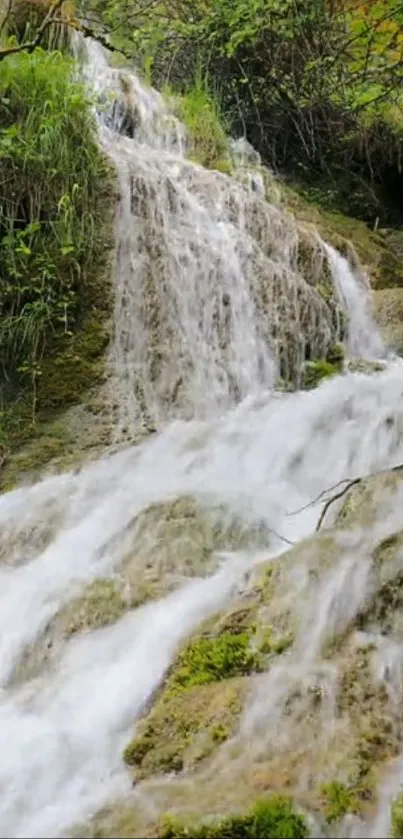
{"x":211,"y":659}
{"x":68,"y":374}
{"x":361,"y":502}
{"x":375,"y":250}
{"x":363,"y":366}
{"x":338,"y":800}
{"x":390,"y":270}
{"x":396,"y":818}
{"x":366,"y":702}
{"x":335,"y":355}
{"x":270,"y":817}
{"x":315,"y":371}
{"x":387,"y":550}
{"x":184,"y":728}
{"x":384,"y":605}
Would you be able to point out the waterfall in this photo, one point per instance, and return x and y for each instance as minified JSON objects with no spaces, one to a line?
{"x":213,"y":301}
{"x":217,"y":290}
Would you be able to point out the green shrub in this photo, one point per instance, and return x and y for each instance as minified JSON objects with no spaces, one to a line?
{"x":314,"y":371}
{"x":338,"y":800}
{"x":211,"y":659}
{"x":53,"y":182}
{"x":272,"y":818}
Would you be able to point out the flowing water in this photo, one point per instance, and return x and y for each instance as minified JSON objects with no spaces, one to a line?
{"x":212,"y":302}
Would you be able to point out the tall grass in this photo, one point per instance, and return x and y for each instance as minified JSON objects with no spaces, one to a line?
{"x":53,"y":180}
{"x":199,"y":109}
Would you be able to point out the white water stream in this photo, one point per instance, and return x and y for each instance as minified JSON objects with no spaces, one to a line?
{"x":192,"y":248}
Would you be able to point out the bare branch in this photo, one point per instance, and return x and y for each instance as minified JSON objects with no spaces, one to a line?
{"x":6,"y":16}
{"x":349,"y":485}
{"x":335,"y":498}
{"x":319,"y":497}
{"x":30,"y":46}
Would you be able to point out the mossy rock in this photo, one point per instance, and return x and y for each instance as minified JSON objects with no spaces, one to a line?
{"x":396,"y":818}
{"x":100,"y":604}
{"x":388,"y":307}
{"x":274,"y":816}
{"x":367,"y":703}
{"x":185,"y":727}
{"x":181,"y":538}
{"x":314,"y":372}
{"x":192,"y":732}
{"x":364,"y":501}
{"x":164,"y":545}
{"x":388,"y":550}
{"x":376,"y":250}
{"x":368,"y":368}
{"x":383,"y":606}
{"x":269,"y":816}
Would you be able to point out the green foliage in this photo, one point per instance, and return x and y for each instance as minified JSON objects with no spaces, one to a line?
{"x":338,"y":800}
{"x":316,"y":87}
{"x":273,"y":817}
{"x":315,"y":371}
{"x":208,"y":659}
{"x":185,"y":727}
{"x":200,"y":112}
{"x":396,"y":820}
{"x":53,"y":181}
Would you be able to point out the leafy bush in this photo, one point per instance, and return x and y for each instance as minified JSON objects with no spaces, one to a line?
{"x":210,"y":659}
{"x":271,"y":818}
{"x":315,"y":87}
{"x":52,"y":186}
{"x":338,"y":799}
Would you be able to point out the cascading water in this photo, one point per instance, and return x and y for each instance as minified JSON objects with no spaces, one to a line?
{"x":217,"y":291}
{"x":211,"y":298}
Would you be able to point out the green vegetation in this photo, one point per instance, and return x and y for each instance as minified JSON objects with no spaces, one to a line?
{"x":54,"y":240}
{"x":339,"y":799}
{"x":200,"y":112}
{"x":272,"y":817}
{"x":184,"y":728}
{"x":396,"y":821}
{"x":209,"y":659}
{"x":200,"y":703}
{"x":316,"y":87}
{"x":315,"y":371}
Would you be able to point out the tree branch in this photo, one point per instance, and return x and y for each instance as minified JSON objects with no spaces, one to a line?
{"x":30,"y":46}
{"x":349,"y":485}
{"x":338,"y":495}
{"x":6,"y":15}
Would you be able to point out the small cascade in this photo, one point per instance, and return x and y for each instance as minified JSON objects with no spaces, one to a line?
{"x":218,"y":292}
{"x":363,"y":338}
